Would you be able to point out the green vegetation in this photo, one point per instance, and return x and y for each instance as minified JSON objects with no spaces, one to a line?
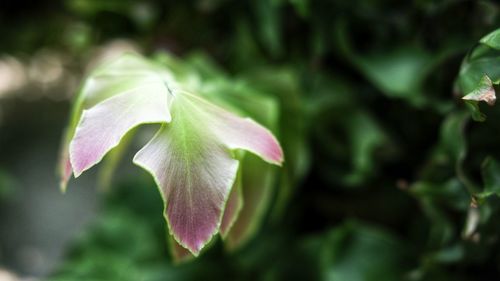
{"x":389,"y":173}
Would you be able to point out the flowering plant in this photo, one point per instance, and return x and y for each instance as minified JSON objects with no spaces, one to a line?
{"x":193,"y":157}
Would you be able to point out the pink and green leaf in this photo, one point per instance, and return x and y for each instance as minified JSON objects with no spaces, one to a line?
{"x":194,"y":172}
{"x":125,"y":73}
{"x":191,"y":157}
{"x":241,"y":133}
{"x":191,"y":164}
{"x":103,"y":126}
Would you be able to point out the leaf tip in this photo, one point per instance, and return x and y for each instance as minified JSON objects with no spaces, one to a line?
{"x":276,"y":155}
{"x":193,"y":248}
{"x":484,"y":92}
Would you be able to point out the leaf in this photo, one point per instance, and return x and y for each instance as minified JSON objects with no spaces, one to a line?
{"x":366,"y":137}
{"x":491,"y":177}
{"x":479,"y":72}
{"x":492,"y":40}
{"x":243,"y":133}
{"x":483,"y":92}
{"x":355,"y":251}
{"x":450,"y":193}
{"x":258,"y":177}
{"x":194,"y":173}
{"x":192,"y":160}
{"x":398,"y":73}
{"x":191,"y":165}
{"x":103,"y":126}
{"x":454,"y":142}
{"x":452,"y":135}
{"x":269,"y":24}
{"x":473,"y":71}
{"x":447,"y":255}
{"x":128,"y":72}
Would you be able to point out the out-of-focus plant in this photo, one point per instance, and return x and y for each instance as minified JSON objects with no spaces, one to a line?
{"x":480,"y":72}
{"x":194,"y":157}
{"x":360,"y":92}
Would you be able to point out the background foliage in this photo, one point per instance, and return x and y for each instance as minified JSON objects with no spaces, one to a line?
{"x":388,"y":176}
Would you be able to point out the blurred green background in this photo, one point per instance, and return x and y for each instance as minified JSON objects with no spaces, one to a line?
{"x":388,"y":177}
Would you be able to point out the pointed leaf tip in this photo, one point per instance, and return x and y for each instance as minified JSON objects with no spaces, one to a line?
{"x":178,"y":252}
{"x":194,"y":180}
{"x":484,"y":92}
{"x":241,"y":133}
{"x":103,"y":126}
{"x":194,"y":172}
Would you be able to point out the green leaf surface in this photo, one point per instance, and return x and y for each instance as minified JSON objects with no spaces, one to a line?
{"x":472,"y":72}
{"x":491,"y":178}
{"x":483,"y":92}
{"x":357,"y":252}
{"x":366,"y":137}
{"x":399,"y":73}
{"x":492,"y":40}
